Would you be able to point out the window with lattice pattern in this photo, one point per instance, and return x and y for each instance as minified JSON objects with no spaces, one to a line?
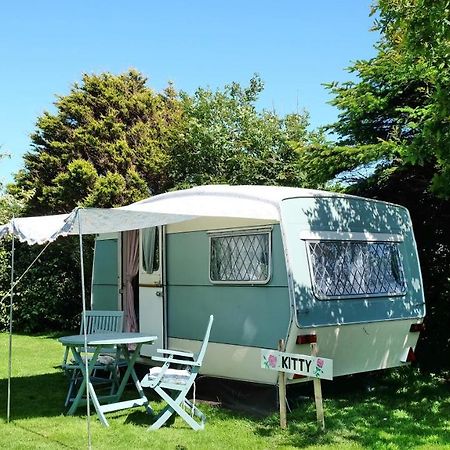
{"x":240,"y":257}
{"x":343,"y":269}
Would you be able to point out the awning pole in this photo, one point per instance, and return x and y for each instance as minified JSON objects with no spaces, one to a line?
{"x":86,"y":359}
{"x":11,"y":288}
{"x":8,"y":404}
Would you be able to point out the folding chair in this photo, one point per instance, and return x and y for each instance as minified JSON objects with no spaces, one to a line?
{"x":178,"y":382}
{"x":103,"y":322}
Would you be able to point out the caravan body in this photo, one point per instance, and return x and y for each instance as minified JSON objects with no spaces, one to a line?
{"x":274,"y":263}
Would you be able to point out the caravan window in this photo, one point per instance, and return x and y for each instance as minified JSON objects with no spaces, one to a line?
{"x":240,"y":257}
{"x":150,"y":249}
{"x":342,"y":269}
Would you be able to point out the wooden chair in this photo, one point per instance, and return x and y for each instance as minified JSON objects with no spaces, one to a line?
{"x":103,"y":322}
{"x":174,"y":384}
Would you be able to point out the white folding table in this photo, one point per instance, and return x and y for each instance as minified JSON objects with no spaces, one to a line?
{"x":98,"y":341}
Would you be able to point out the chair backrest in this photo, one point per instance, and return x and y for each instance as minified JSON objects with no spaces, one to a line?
{"x":102,"y":322}
{"x":201,"y":353}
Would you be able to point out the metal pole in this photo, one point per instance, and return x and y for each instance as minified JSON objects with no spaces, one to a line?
{"x":86,"y":361}
{"x":8,"y":406}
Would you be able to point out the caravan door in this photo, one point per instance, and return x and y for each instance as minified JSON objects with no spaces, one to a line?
{"x":151,"y":288}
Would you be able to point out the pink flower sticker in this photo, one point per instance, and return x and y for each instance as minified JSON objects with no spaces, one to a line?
{"x":272,"y":360}
{"x":320,"y":362}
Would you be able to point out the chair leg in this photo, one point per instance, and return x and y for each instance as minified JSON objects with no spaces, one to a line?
{"x":195,"y":410}
{"x":72,"y":383}
{"x":162,"y":418}
{"x":165,"y":414}
{"x":115,"y":378}
{"x":174,"y":405}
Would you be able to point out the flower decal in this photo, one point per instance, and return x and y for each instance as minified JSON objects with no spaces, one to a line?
{"x":318,"y":370}
{"x":270,"y":361}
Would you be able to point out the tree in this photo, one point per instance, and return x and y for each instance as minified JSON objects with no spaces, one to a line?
{"x":398,"y":110}
{"x":106,"y":145}
{"x":226,"y":140}
{"x":112,"y":141}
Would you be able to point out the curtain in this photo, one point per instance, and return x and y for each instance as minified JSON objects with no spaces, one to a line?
{"x":131,"y":268}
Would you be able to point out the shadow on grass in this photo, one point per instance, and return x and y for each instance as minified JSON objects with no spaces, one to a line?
{"x":403,"y":410}
{"x":213,"y":414}
{"x":139,"y":418}
{"x":34,"y":396}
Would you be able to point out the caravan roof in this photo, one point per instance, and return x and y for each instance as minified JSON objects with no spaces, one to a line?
{"x":257,"y":202}
{"x":248,"y":202}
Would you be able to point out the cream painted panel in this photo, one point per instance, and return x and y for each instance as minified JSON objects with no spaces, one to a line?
{"x":229,"y":361}
{"x":360,"y":347}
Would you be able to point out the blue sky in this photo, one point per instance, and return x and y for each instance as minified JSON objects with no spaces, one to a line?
{"x":295,"y":46}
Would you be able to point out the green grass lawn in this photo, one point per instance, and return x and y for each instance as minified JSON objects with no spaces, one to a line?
{"x":403,"y":409}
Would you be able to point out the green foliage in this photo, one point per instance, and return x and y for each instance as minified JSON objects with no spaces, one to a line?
{"x":226,"y":140}
{"x":112,"y":140}
{"x":322,"y":161}
{"x":398,"y":110}
{"x":48,"y":297}
{"x":76,"y":182}
{"x":108,"y":129}
{"x":10,"y":207}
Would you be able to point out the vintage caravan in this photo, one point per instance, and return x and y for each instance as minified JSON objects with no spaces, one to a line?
{"x":270,"y":263}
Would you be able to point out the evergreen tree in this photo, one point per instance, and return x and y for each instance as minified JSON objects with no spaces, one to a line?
{"x":106,"y":145}
{"x":397,"y":111}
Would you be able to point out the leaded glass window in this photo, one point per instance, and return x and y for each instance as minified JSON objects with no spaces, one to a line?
{"x":341,"y":269}
{"x":241,"y":257}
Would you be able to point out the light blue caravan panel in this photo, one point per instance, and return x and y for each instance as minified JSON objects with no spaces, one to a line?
{"x":105,"y":275}
{"x":249,"y":315}
{"x":350,"y":220}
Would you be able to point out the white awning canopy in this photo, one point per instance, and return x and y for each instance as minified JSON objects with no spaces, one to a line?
{"x":43,"y":229}
{"x":253,"y":202}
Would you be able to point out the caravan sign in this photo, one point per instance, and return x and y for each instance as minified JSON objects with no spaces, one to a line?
{"x":309,"y":366}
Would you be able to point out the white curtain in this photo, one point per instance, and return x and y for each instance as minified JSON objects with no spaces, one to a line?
{"x":130,"y":270}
